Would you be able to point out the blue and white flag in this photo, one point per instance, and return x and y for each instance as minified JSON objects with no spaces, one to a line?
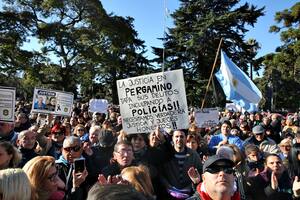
{"x":237,"y":86}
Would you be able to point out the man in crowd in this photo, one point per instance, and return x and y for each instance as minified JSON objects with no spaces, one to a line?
{"x":260,"y":139}
{"x":218,"y":180}
{"x":7,"y":132}
{"x":22,"y":122}
{"x":224,"y":138}
{"x":76,"y":187}
{"x":174,"y":172}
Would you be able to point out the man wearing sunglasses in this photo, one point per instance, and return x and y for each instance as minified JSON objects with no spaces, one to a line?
{"x":75,"y":182}
{"x":218,"y":180}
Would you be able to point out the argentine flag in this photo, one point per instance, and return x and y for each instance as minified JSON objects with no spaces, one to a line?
{"x":237,"y":86}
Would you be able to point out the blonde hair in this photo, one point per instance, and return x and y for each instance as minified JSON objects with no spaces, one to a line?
{"x":37,"y":170}
{"x":14,"y":184}
{"x":285,"y":141}
{"x":139,"y":178}
{"x":94,"y":129}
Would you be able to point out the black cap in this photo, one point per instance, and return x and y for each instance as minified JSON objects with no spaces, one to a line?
{"x":106,"y":138}
{"x":219,"y":160}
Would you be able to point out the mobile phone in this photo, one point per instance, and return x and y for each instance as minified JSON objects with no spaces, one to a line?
{"x":79,"y":165}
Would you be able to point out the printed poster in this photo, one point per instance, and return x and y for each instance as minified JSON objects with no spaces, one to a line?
{"x":52,"y":102}
{"x":7,"y":104}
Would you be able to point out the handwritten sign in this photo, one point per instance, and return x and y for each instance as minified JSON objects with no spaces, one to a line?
{"x":7,"y":104}
{"x":153,"y":100}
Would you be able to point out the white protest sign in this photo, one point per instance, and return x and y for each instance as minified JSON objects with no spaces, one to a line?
{"x":98,"y":105}
{"x":52,"y":101}
{"x":153,"y":100}
{"x":207,"y":117}
{"x":7,"y":104}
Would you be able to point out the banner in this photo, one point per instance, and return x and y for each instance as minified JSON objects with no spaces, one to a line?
{"x":98,"y":105}
{"x":7,"y":104}
{"x":153,"y":100}
{"x":52,"y":101}
{"x":207,"y":117}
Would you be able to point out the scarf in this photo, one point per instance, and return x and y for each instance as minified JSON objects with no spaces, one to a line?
{"x":205,"y":196}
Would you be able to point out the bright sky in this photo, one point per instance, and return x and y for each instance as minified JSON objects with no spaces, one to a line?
{"x":150,"y":20}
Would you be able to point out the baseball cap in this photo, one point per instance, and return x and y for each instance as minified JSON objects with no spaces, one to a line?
{"x":217,"y":160}
{"x":258,"y":129}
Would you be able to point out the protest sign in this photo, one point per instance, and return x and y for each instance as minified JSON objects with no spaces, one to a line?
{"x":98,"y":105}
{"x":153,"y":100}
{"x":232,"y":107}
{"x":52,"y":101}
{"x":7,"y":104}
{"x":207,"y":117}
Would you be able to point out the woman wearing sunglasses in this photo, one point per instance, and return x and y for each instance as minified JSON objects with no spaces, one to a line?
{"x":43,"y":177}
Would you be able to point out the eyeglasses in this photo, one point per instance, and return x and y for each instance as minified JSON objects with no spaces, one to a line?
{"x":53,"y":176}
{"x":123,"y":152}
{"x":285,"y":146}
{"x":80,"y":129}
{"x":215,"y":170}
{"x":75,"y":149}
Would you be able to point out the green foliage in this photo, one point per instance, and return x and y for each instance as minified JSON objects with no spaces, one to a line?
{"x":193,"y":42}
{"x":283,"y":67}
{"x":80,"y":44}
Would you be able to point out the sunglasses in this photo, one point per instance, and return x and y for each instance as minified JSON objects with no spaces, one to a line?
{"x":80,"y":129}
{"x":215,"y":170}
{"x":75,"y":149}
{"x":58,"y":133}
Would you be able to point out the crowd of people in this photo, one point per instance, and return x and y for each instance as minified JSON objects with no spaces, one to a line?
{"x":89,"y":156}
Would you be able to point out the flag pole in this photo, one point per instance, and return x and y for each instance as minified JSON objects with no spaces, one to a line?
{"x":211,"y":73}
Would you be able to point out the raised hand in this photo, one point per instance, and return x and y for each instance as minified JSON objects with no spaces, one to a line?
{"x":79,"y":178}
{"x":274,"y":181}
{"x":296,"y":187}
{"x":194,"y":175}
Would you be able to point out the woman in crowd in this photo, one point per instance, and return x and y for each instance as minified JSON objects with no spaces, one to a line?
{"x":79,"y":131}
{"x":194,"y":142}
{"x":139,"y":178}
{"x":43,"y":178}
{"x":294,"y":161}
{"x":14,"y":185}
{"x":254,"y":160}
{"x":285,"y":147}
{"x":9,"y":156}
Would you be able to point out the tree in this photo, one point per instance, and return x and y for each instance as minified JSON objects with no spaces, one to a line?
{"x":192,"y":43}
{"x":282,"y":68}
{"x":78,"y":42}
